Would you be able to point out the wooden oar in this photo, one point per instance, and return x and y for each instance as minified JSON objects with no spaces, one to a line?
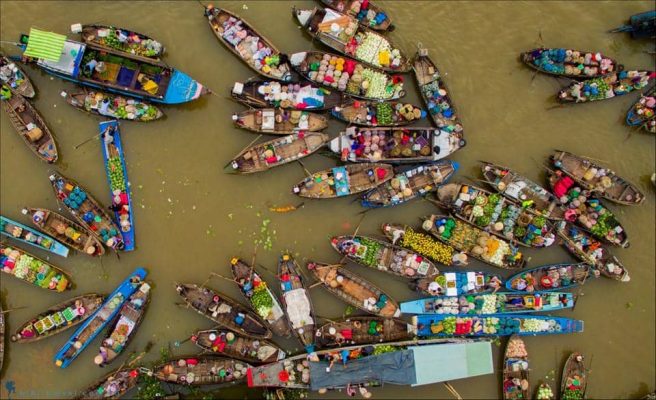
{"x":452,"y":390}
{"x":242,"y":150}
{"x":304,"y":169}
{"x":12,"y":309}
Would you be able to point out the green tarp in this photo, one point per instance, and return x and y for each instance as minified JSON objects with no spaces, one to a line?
{"x":447,"y":362}
{"x":45,"y":45}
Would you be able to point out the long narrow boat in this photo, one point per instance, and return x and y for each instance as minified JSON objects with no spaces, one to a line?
{"x":383,"y":256}
{"x":496,"y":214}
{"x":643,"y":112}
{"x":25,"y":266}
{"x":474,"y":241}
{"x":87,"y":210}
{"x":458,"y":283}
{"x":31,"y":127}
{"x":544,"y":392}
{"x":368,"y":14}
{"x":549,"y":277}
{"x":515,"y":378}
{"x":296,"y":95}
{"x":201,"y":370}
{"x":273,"y":153}
{"x":394,"y":145}
{"x":110,"y":105}
{"x":112,"y":386}
{"x":63,"y":229}
{"x":15,"y":78}
{"x":247,"y":44}
{"x":124,"y":40}
{"x":343,"y":180}
{"x":595,"y":177}
{"x":493,"y":325}
{"x":2,"y":337}
{"x":278,"y":121}
{"x":234,"y":345}
{"x":25,"y":234}
{"x":409,"y":184}
{"x":574,"y":380}
{"x":296,"y":301}
{"x":363,"y":330}
{"x":569,"y":63}
{"x":92,"y":327}
{"x":355,"y":290}
{"x":119,"y":184}
{"x":263,"y":301}
{"x":58,"y":318}
{"x":424,"y":244}
{"x":125,"y":326}
{"x":641,"y":26}
{"x":342,"y":33}
{"x":606,"y":87}
{"x":377,"y":113}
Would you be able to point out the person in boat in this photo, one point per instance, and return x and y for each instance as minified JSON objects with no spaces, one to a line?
{"x":495,"y":284}
{"x":147,"y":84}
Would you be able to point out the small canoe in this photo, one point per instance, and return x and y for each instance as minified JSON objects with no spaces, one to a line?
{"x":201,"y":370}
{"x":261,"y":298}
{"x":15,"y":78}
{"x":31,"y":127}
{"x":544,"y":392}
{"x":515,"y":378}
{"x":395,"y":145}
{"x":68,"y":232}
{"x":346,"y":75}
{"x":364,"y":330}
{"x":297,"y":95}
{"x":458,"y":283}
{"x":496,"y":214}
{"x":643,"y":112}
{"x":493,"y":325}
{"x":569,"y":63}
{"x":574,"y":380}
{"x":523,"y":191}
{"x":350,"y":39}
{"x":368,"y":14}
{"x":58,"y":318}
{"x":410,"y":184}
{"x":474,"y":241}
{"x":641,"y":26}
{"x":25,"y":266}
{"x":112,"y":386}
{"x":124,"y":326}
{"x":296,"y":301}
{"x":118,"y":107}
{"x":273,"y":153}
{"x":95,"y":324}
{"x":606,"y":87}
{"x":355,"y":290}
{"x":278,"y":121}
{"x":124,"y":40}
{"x":87,"y":211}
{"x":27,"y":235}
{"x":383,"y":256}
{"x":233,"y":345}
{"x":223,"y":310}
{"x":549,"y":277}
{"x":343,"y":180}
{"x":424,"y":244}
{"x":595,"y":177}
{"x":119,"y":184}
{"x":378,"y":113}
{"x":242,"y":39}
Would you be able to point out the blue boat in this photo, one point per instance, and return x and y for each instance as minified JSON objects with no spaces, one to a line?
{"x":641,"y":26}
{"x":642,"y":111}
{"x":25,"y":234}
{"x":493,"y":325}
{"x":99,"y":320}
{"x":117,"y":176}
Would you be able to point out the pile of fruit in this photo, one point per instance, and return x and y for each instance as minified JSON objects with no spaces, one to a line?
{"x":427,"y":246}
{"x":36,"y":272}
{"x":371,"y":250}
{"x":262,"y":301}
{"x":545,"y":393}
{"x":115,"y":172}
{"x":384,"y":113}
{"x":374,"y":49}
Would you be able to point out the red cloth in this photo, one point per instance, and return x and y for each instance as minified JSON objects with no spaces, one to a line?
{"x":562,"y":186}
{"x":192,"y":361}
{"x":381,"y":173}
{"x":349,"y":67}
{"x":347,"y":333}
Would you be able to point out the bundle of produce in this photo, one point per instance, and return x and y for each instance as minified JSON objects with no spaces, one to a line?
{"x":374,"y":49}
{"x":421,"y":243}
{"x":261,"y":300}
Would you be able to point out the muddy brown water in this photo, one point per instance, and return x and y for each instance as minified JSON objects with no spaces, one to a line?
{"x":191,"y":218}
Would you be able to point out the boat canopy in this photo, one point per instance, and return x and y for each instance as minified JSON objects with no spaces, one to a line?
{"x":447,"y":362}
{"x":45,"y":45}
{"x":69,"y":60}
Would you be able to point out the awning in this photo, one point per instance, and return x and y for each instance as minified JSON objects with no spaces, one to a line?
{"x":447,"y":362}
{"x":45,"y":45}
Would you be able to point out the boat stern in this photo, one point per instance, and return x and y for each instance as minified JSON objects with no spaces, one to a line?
{"x":182,"y":89}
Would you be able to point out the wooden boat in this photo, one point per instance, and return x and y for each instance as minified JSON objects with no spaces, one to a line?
{"x":273,"y":153}
{"x":119,"y":184}
{"x":72,"y":234}
{"x":95,"y":324}
{"x":473,"y":241}
{"x":31,"y":127}
{"x":296,"y":301}
{"x":355,"y":79}
{"x":118,"y":107}
{"x":112,"y":386}
{"x":515,"y":378}
{"x":355,"y":290}
{"x":124,"y":40}
{"x":606,"y":87}
{"x":495,"y":214}
{"x":23,"y":265}
{"x":363,"y":330}
{"x":87,"y":211}
{"x":394,"y":145}
{"x":355,"y":41}
{"x":223,"y":310}
{"x":523,"y":191}
{"x":574,"y":381}
{"x":234,"y":345}
{"x":15,"y":78}
{"x":201,"y":370}
{"x":643,"y":112}
{"x":295,"y":95}
{"x":278,"y":121}
{"x":239,"y":37}
{"x":124,"y":326}
{"x":641,"y":26}
{"x":424,"y":244}
{"x":58,"y":318}
{"x":493,"y":325}
{"x":343,"y":180}
{"x":569,"y":63}
{"x":544,"y":392}
{"x":27,"y":235}
{"x":379,"y":22}
{"x":591,"y":251}
{"x":383,"y":256}
{"x":458,"y":283}
{"x":377,"y":113}
{"x":414,"y":182}
{"x":259,"y":295}
{"x":592,"y":176}
{"x":2,"y":337}
{"x":549,"y":277}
